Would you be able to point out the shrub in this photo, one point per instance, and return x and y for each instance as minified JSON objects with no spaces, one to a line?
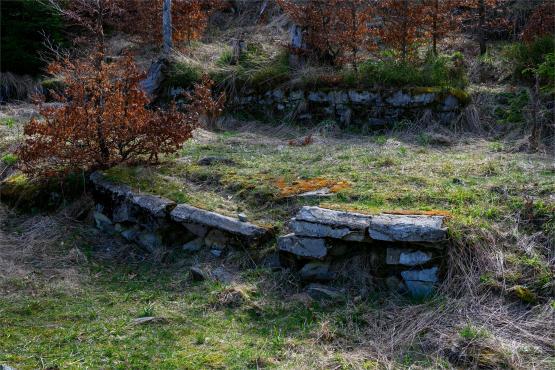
{"x":205,"y":104}
{"x":526,"y":56}
{"x":183,"y":74}
{"x":9,"y":159}
{"x":102,"y":121}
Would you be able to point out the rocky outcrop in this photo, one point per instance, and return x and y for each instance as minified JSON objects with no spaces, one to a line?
{"x":406,"y":250}
{"x":155,"y":222}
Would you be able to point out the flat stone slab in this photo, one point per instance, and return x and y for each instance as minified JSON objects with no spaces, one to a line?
{"x":407,"y":257}
{"x":154,"y":205}
{"x":402,"y":228}
{"x":326,"y":223}
{"x":319,"y":222}
{"x":187,"y":214}
{"x":303,"y":247}
{"x":420,"y":282}
{"x":102,"y":183}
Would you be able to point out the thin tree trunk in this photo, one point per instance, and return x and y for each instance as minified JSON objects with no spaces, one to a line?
{"x":167,"y":27}
{"x":434,"y":25}
{"x":481,"y":24}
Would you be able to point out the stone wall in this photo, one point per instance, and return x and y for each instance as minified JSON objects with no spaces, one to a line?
{"x":402,"y":253}
{"x":155,"y":222}
{"x":364,"y":108}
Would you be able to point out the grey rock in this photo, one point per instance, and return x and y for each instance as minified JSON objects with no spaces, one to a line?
{"x":359,"y":97}
{"x":272,"y":261}
{"x":215,"y":239}
{"x":327,"y":223}
{"x":324,"y":192}
{"x":100,"y":182}
{"x":317,"y":96}
{"x":103,"y":223}
{"x":196,"y":229}
{"x":153,"y":205}
{"x":278,"y":94}
{"x":216,"y":252}
{"x":209,"y":161}
{"x":296,"y":95}
{"x":338,"y":97}
{"x":323,"y":292}
{"x":316,"y":271}
{"x":407,"y":257}
{"x":194,"y":245}
{"x":220,"y":274}
{"x":242,"y":217}
{"x":424,"y":99}
{"x":130,"y":234}
{"x":149,"y":241}
{"x":377,"y":122}
{"x":6,"y":367}
{"x":450,"y":103}
{"x":420,"y":282}
{"x":122,"y":213}
{"x":188,"y":214}
{"x":197,"y":274}
{"x":303,"y":247}
{"x":407,"y":228}
{"x":400,"y":99}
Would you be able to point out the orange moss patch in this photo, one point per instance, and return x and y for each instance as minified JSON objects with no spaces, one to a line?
{"x":305,"y":185}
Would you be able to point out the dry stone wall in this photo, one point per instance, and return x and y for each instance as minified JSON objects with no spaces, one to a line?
{"x":404,"y":253}
{"x":364,"y":108}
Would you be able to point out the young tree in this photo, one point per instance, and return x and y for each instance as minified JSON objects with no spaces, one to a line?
{"x":440,"y":19}
{"x":189,"y":18}
{"x":336,"y":30}
{"x":207,"y":106}
{"x":402,"y":25}
{"x":103,"y":120}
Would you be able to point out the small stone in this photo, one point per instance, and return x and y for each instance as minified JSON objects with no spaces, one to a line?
{"x":216,"y":252}
{"x":323,"y":292}
{"x":440,"y":139}
{"x":194,"y":245}
{"x":130,"y":234}
{"x":148,"y":319}
{"x":272,"y":261}
{"x":216,"y":240}
{"x":122,"y":213}
{"x":149,"y":241}
{"x":420,"y":282}
{"x":197,"y":274}
{"x":103,"y":223}
{"x":394,"y":284}
{"x":316,"y":271}
{"x":197,"y":229}
{"x":407,"y":257}
{"x":221,"y":275}
{"x":242,"y":217}
{"x":303,"y":247}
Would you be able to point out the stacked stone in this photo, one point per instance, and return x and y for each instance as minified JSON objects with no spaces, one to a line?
{"x":155,"y":222}
{"x":408,"y":247}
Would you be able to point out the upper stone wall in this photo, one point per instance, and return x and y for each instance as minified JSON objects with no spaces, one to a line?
{"x":364,"y":108}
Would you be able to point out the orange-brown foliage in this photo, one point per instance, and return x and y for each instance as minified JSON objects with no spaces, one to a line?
{"x":189,"y":18}
{"x":402,"y":25}
{"x":337,"y":30}
{"x":541,"y":22}
{"x":100,"y":120}
{"x":440,"y":19}
{"x":205,"y":104}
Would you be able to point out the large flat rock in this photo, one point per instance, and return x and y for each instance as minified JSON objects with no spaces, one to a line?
{"x":152,"y":204}
{"x":401,"y":228}
{"x":319,"y":222}
{"x":191,"y":215}
{"x":303,"y":247}
{"x":102,"y":183}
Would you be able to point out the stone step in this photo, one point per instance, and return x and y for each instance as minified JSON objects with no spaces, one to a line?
{"x":187,"y":214}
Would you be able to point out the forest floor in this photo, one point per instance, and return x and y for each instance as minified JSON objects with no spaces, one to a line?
{"x":70,"y":297}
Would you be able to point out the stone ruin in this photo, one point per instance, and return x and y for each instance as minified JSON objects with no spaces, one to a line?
{"x":401,"y":252}
{"x":404,"y":252}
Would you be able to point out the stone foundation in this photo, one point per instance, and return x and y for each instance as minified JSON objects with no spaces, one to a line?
{"x":394,"y":252}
